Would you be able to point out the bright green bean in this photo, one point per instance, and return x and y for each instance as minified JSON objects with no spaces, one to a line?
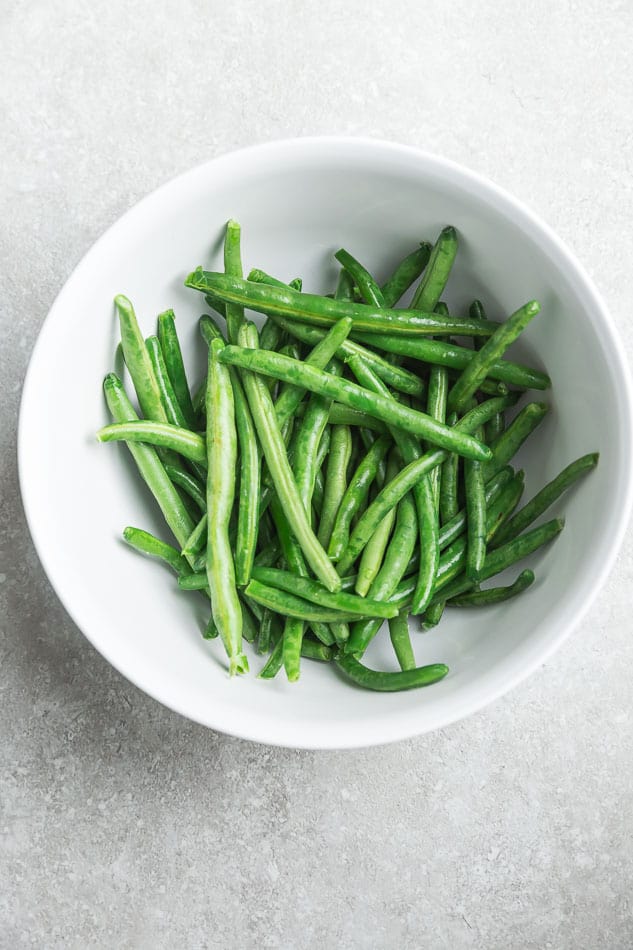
{"x":287,"y":605}
{"x":163,"y":434}
{"x":335,"y":481}
{"x":449,"y":481}
{"x":356,"y":495}
{"x":188,"y":483}
{"x":401,"y":640}
{"x":475,"y":516}
{"x":322,"y":311}
{"x":512,"y":438}
{"x":405,"y":274}
{"x":368,"y":287}
{"x":138,"y":362}
{"x":311,"y":590}
{"x":222,"y":465}
{"x":249,"y":488}
{"x":147,"y":544}
{"x":170,"y":346}
{"x":494,"y":595}
{"x":372,"y":557}
{"x":431,"y":287}
{"x":233,"y":268}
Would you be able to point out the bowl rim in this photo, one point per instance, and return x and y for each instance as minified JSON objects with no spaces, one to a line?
{"x":489,"y":191}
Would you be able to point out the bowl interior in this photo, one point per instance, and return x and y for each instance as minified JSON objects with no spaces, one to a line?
{"x":297,"y":202}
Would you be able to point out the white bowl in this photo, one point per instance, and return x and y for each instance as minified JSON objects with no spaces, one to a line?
{"x":297,"y":202}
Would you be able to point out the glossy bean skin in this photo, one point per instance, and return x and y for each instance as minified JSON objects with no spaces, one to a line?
{"x":234,"y":313}
{"x":512,"y":438}
{"x":475,"y":516}
{"x":138,"y":362}
{"x":335,"y":480}
{"x":369,"y":289}
{"x":435,"y":277}
{"x":160,"y":434}
{"x":401,"y":640}
{"x":148,"y":544}
{"x":310,"y":590}
{"x":172,"y":354}
{"x":355,"y":495}
{"x":389,"y":682}
{"x":405,"y":274}
{"x":494,"y":595}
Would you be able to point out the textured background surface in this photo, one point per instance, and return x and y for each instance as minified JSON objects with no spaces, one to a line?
{"x":123,"y":825}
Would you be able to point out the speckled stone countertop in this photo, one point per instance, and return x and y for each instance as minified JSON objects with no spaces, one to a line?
{"x":124,"y":826}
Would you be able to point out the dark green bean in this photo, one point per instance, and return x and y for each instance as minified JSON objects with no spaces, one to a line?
{"x":322,"y":311}
{"x":271,"y":335}
{"x":372,"y":557}
{"x":335,"y":481}
{"x":475,"y":516}
{"x":188,"y":483}
{"x":405,"y":274}
{"x":491,"y":352}
{"x":456,"y":526}
{"x":431,"y":287}
{"x":312,"y":591}
{"x":233,"y":268}
{"x":287,"y":605}
{"x":494,"y":595}
{"x":196,"y":541}
{"x":546,"y":497}
{"x":449,"y":480}
{"x":147,"y":544}
{"x":356,"y":495}
{"x":344,"y":286}
{"x":368,"y":287}
{"x":171,"y":406}
{"x":453,"y":356}
{"x":395,"y":376}
{"x":389,"y":682}
{"x":316,"y":651}
{"x":274,"y":662}
{"x":401,"y":640}
{"x":510,"y":441}
{"x":348,"y":393}
{"x":436,"y":408}
{"x":170,"y":346}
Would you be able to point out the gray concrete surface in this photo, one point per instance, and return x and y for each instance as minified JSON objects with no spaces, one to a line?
{"x":124,"y":826}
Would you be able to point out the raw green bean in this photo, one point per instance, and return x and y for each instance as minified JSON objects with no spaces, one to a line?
{"x":170,"y":346}
{"x":171,"y":406}
{"x":222,"y":464}
{"x":372,"y":557}
{"x":146,"y":543}
{"x":475,"y":516}
{"x":163,"y":434}
{"x":431,"y":287}
{"x":449,"y":480}
{"x":453,"y":356}
{"x":395,"y":376}
{"x":322,"y":311}
{"x":290,"y":606}
{"x":494,"y":595}
{"x":316,"y":651}
{"x":344,"y":286}
{"x":149,"y":465}
{"x":401,"y":640}
{"x":405,"y":274}
{"x":233,"y":268}
{"x":216,"y":304}
{"x":491,"y":352}
{"x":271,"y":335}
{"x":476,"y":312}
{"x":389,"y":682}
{"x":292,"y":639}
{"x":249,"y":490}
{"x":274,"y":450}
{"x":433,"y":614}
{"x":310,"y":590}
{"x":306,"y":443}
{"x":436,"y":408}
{"x":335,"y":481}
{"x":323,"y":351}
{"x":138,"y":362}
{"x":546,"y":497}
{"x":188,"y":483}
{"x":344,"y":416}
{"x":196,"y":541}
{"x":274,"y":662}
{"x":455,"y":527}
{"x":348,"y":393}
{"x":209,"y":330}
{"x":368,"y":287}
{"x":511,"y":439}
{"x":356,"y":495}
{"x":266,"y":628}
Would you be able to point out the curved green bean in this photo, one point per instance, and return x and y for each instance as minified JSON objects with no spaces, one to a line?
{"x":356,"y":495}
{"x":401,"y":640}
{"x":431,"y":287}
{"x":494,"y":595}
{"x":368,"y":287}
{"x":335,"y":481}
{"x":163,"y":434}
{"x":146,"y":543}
{"x":233,"y":267}
{"x":389,"y":682}
{"x":405,"y":274}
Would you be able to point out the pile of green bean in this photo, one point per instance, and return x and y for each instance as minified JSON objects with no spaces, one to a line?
{"x":348,"y":464}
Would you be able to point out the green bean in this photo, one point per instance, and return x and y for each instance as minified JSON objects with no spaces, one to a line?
{"x":369,"y":289}
{"x":494,"y":595}
{"x":401,"y":640}
{"x":389,"y":682}
{"x":344,"y":286}
{"x":138,"y":362}
{"x":149,"y":465}
{"x":171,"y":406}
{"x":290,"y":606}
{"x":322,"y":311}
{"x":210,"y":632}
{"x":188,"y":483}
{"x":233,"y":268}
{"x":511,"y":439}
{"x":431,"y":287}
{"x":312,"y":591}
{"x":270,"y":335}
{"x":163,"y":434}
{"x":296,"y":284}
{"x":546,"y":497}
{"x":491,"y":352}
{"x":356,"y":495}
{"x":274,"y":450}
{"x":170,"y":346}
{"x":394,"y":566}
{"x":449,"y":480}
{"x":260,"y":276}
{"x":453,"y":356}
{"x":268,"y":556}
{"x":209,"y":330}
{"x":216,"y":304}
{"x":266,"y":629}
{"x":494,"y":428}
{"x":324,"y":447}
{"x":348,"y":393}
{"x":316,"y":651}
{"x":475,"y":516}
{"x":222,"y":464}
{"x":433,"y":614}
{"x":324,"y":350}
{"x":372,"y":557}
{"x":147,"y":544}
{"x":503,"y":558}
{"x":457,"y":524}
{"x":196,"y":541}
{"x":476,"y":312}
{"x":317,"y":497}
{"x":292,"y":639}
{"x":249,"y":491}
{"x":335,"y":480}
{"x":344,"y":416}
{"x":395,"y":376}
{"x":412,"y":473}
{"x":436,"y":408}
{"x":405,"y":274}
{"x":274,"y":662}
{"x":306,"y":443}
